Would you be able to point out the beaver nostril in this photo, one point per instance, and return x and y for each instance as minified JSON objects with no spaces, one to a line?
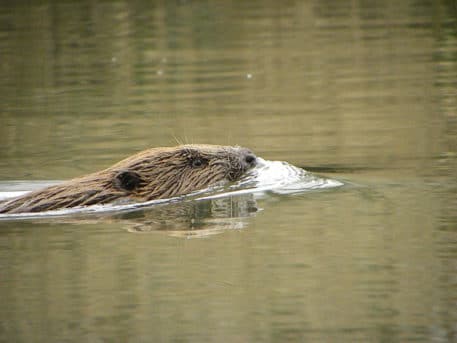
{"x":250,"y":158}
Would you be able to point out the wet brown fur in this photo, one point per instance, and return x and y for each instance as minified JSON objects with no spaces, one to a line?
{"x":156,"y":173}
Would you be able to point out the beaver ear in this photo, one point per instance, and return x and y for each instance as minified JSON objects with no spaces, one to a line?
{"x":127,"y":180}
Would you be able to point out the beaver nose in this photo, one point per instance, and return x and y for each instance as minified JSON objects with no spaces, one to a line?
{"x":250,"y":159}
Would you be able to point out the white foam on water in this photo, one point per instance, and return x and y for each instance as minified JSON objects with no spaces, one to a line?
{"x":268,"y":177}
{"x":283,"y":178}
{"x":7,"y":195}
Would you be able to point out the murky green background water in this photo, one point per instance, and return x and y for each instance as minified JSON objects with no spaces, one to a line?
{"x":363,"y":91}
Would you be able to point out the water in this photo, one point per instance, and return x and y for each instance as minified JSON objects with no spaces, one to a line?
{"x":359,"y":92}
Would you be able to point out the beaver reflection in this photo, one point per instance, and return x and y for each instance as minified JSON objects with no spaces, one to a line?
{"x":194,"y":218}
{"x":158,"y":173}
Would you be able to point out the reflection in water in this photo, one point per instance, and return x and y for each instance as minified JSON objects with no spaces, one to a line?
{"x":362,"y":90}
{"x":185,"y":218}
{"x":195,"y":218}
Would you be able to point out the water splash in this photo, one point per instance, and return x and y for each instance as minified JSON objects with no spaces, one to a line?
{"x":282,"y":178}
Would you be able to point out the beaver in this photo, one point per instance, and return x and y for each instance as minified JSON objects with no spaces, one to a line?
{"x":156,"y":173}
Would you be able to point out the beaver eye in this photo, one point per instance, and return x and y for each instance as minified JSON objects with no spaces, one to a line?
{"x":197,"y":162}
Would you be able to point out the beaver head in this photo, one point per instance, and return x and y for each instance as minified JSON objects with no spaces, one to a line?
{"x":156,"y":173}
{"x":168,"y":172}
